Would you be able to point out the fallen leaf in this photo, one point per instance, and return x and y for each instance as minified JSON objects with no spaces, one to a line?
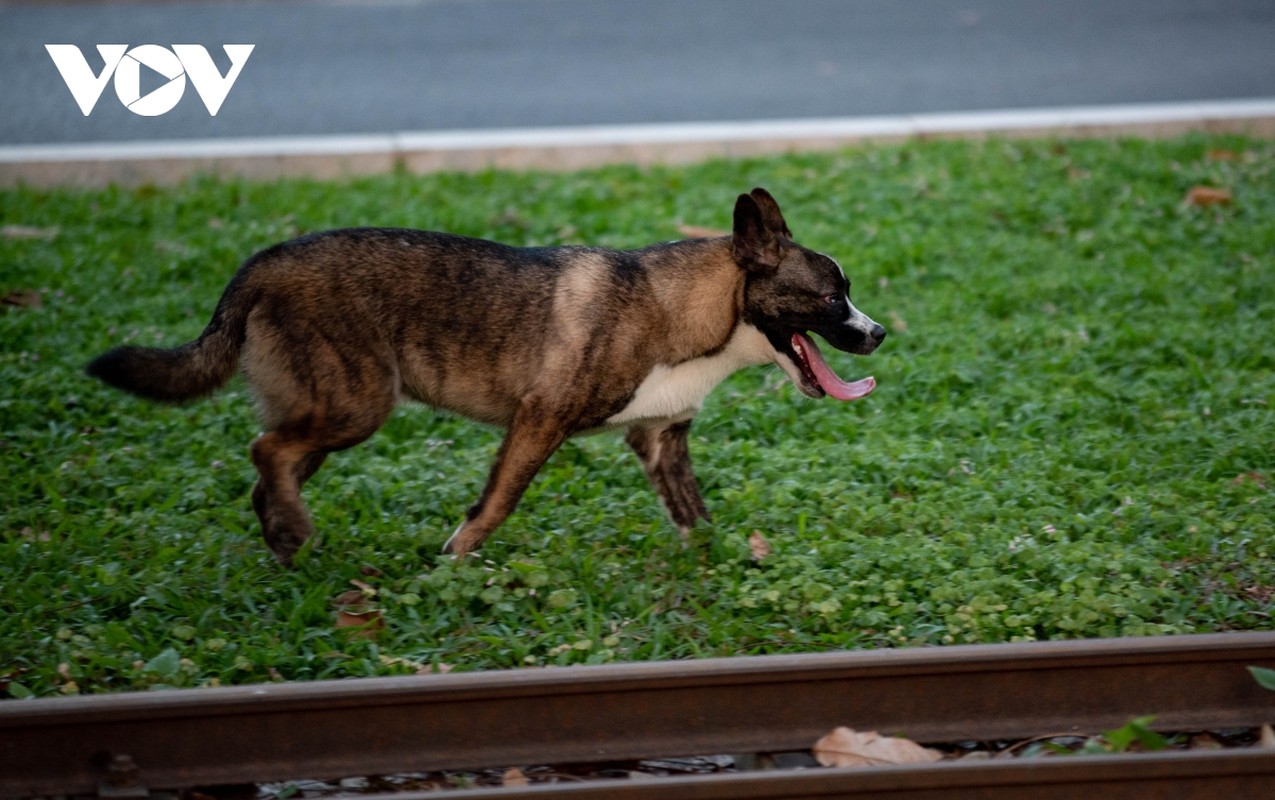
{"x":367,"y":588}
{"x":1205,"y":740}
{"x":166,"y":246}
{"x":1208,"y":196}
{"x":27,"y":232}
{"x":1268,"y":736}
{"x":846,"y":747}
{"x":1260,"y":593}
{"x":1254,"y":477}
{"x":353,"y":597}
{"x":1222,"y":155}
{"x":697,"y":232}
{"x":21,"y":298}
{"x":758,"y":545}
{"x":364,"y":624}
{"x":514,"y":777}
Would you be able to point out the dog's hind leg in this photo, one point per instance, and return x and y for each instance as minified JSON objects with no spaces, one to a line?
{"x":307,"y":427}
{"x":283,"y":536}
{"x":282,"y":461}
{"x":535,"y":433}
{"x":288,"y":456}
{"x":666,"y":457}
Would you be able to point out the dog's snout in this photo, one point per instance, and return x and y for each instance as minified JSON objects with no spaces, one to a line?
{"x":877,"y":333}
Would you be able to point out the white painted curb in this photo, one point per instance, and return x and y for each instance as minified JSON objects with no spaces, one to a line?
{"x":584,"y":146}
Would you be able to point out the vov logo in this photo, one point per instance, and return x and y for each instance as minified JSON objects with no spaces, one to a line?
{"x":182,"y":61}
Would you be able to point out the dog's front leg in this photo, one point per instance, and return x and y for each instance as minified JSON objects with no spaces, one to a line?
{"x":666,"y":457}
{"x":535,"y":433}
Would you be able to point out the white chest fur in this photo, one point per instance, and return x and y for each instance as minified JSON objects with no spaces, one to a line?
{"x":679,"y":391}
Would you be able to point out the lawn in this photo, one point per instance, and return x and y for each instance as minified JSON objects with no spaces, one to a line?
{"x":1072,"y":434}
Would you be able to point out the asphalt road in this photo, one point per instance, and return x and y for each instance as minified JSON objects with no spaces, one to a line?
{"x":430,"y":65}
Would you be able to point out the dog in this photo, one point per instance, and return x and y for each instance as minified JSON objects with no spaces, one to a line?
{"x":333,"y":329}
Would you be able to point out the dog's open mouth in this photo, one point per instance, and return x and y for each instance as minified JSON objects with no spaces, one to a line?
{"x":818,"y":378}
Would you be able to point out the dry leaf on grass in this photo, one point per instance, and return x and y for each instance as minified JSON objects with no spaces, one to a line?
{"x":1208,"y":196}
{"x":352,"y":597}
{"x":697,"y":232}
{"x":20,"y":298}
{"x":365,"y":624}
{"x":758,"y":545}
{"x":355,"y":608}
{"x":1256,"y":478}
{"x":846,"y":747}
{"x":27,"y":232}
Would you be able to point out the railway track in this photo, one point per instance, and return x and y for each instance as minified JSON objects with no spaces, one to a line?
{"x":129,"y":745}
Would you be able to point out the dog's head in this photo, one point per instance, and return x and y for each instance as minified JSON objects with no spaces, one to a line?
{"x":792,"y":290}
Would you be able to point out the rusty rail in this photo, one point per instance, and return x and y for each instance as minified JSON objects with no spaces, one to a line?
{"x":324,"y":729}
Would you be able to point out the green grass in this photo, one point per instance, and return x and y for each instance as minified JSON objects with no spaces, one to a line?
{"x":1072,"y":435}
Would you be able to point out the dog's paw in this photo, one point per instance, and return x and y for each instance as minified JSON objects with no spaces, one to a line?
{"x":461,"y":543}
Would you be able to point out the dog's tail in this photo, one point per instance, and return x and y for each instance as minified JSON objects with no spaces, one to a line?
{"x":193,"y":370}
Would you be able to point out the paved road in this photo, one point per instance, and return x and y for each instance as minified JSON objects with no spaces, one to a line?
{"x":357,"y":67}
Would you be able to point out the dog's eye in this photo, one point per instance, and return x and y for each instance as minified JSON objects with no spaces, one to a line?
{"x":832,"y":299}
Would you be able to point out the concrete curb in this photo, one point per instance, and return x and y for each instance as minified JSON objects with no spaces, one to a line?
{"x":325,"y":157}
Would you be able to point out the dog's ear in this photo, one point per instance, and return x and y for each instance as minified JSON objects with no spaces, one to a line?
{"x":770,"y":213}
{"x":755,"y":245}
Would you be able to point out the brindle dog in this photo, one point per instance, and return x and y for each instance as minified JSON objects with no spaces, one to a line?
{"x":333,"y":329}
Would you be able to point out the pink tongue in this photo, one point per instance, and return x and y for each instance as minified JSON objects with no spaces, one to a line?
{"x":828,"y":380}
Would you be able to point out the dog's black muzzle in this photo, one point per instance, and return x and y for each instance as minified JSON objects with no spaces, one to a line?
{"x":852,"y":338}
